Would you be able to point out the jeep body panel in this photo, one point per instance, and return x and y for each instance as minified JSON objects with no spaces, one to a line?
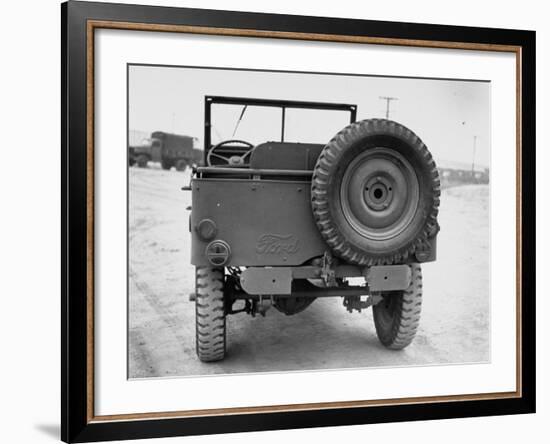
{"x":264,"y":222}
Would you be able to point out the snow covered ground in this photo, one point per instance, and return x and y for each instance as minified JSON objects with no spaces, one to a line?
{"x":455,"y":324}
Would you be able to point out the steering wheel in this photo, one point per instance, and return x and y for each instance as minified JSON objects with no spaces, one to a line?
{"x":232,"y":160}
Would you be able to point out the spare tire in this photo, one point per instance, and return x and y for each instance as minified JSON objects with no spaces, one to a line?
{"x":375,"y":193}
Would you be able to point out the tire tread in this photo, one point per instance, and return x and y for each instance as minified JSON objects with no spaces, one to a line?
{"x":406,"y":319}
{"x":210,"y":326}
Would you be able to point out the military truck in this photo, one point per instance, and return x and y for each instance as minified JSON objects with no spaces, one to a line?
{"x":279,"y":222}
{"x":171,"y":150}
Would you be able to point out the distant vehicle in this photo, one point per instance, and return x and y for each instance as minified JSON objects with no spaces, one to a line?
{"x":451,"y":177}
{"x":171,"y":150}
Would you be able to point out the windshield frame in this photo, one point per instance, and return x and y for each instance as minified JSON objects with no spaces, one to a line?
{"x":282,"y":104}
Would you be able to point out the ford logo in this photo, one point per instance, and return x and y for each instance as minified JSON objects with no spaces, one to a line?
{"x":277,"y":244}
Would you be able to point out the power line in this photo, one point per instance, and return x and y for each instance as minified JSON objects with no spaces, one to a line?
{"x":388,"y":100}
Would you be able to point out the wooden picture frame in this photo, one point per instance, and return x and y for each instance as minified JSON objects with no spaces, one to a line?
{"x":79,"y":22}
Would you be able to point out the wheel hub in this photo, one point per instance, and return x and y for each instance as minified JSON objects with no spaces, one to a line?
{"x":379,"y":193}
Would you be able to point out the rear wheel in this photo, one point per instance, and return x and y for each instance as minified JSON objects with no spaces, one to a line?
{"x":166,"y":164}
{"x":209,"y":314}
{"x":397,"y":315}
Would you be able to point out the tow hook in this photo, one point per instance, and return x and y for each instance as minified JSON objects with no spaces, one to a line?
{"x":261,"y":305}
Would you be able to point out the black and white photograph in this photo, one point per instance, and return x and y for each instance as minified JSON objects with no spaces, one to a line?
{"x":232,"y":221}
{"x":285,"y":221}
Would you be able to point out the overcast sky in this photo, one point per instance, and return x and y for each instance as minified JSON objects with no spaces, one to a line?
{"x":445,"y":114}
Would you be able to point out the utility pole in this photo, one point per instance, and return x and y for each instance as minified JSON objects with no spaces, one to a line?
{"x":474,"y":155}
{"x":388,"y":100}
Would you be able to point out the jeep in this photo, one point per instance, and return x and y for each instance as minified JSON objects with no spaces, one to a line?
{"x":278,"y":221}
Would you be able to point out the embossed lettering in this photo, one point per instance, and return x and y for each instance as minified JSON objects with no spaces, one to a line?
{"x":277,"y":244}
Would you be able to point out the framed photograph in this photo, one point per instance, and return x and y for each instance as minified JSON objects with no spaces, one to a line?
{"x":275,"y":221}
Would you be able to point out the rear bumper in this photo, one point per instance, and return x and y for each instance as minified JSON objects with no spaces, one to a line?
{"x":278,"y":280}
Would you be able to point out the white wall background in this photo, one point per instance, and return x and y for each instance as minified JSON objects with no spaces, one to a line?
{"x":30,"y":208}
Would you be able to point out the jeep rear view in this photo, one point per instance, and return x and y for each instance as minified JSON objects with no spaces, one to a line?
{"x":298,"y":201}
